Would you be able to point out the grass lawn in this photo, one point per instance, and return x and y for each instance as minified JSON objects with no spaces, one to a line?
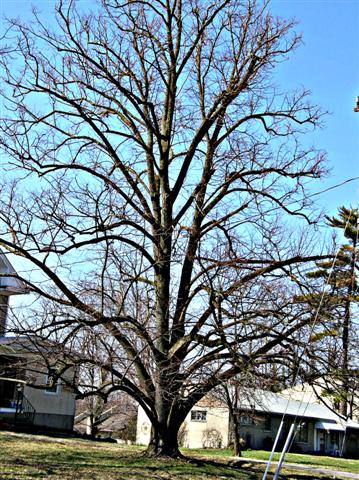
{"x":25,"y":457}
{"x":336,"y":463}
{"x":343,"y":464}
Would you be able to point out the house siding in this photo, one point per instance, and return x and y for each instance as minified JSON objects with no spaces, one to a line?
{"x":61,"y":403}
{"x":53,"y":410}
{"x":255,"y":436}
{"x":143,"y":428}
{"x":211,"y":433}
{"x":54,"y":421}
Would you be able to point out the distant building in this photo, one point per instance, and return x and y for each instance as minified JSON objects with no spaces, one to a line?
{"x":320,"y":429}
{"x":320,"y":393}
{"x":114,"y":419}
{"x":206,"y":426}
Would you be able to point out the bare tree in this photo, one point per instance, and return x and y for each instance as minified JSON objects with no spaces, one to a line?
{"x":152,"y":159}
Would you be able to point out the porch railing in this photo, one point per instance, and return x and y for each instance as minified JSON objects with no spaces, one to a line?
{"x":24,"y":410}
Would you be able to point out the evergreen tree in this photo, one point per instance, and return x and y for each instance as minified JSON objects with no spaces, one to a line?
{"x":336,"y":300}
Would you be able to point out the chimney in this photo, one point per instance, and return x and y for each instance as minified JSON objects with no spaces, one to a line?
{"x":4,"y":302}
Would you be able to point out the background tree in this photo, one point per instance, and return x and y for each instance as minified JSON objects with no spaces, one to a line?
{"x":336,"y":294}
{"x":152,"y":158}
{"x":239,"y":391}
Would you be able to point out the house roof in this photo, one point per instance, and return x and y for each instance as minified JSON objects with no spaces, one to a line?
{"x":331,"y":426}
{"x":29,"y":344}
{"x":275,"y":403}
{"x":352,"y":424}
{"x":10,"y":285}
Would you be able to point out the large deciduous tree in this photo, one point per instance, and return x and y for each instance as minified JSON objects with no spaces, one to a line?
{"x":151,"y":160}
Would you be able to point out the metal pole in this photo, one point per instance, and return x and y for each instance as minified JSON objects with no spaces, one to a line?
{"x":273,"y":449}
{"x":284,"y":451}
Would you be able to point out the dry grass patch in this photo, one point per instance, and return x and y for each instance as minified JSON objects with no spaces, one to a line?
{"x":28,"y":457}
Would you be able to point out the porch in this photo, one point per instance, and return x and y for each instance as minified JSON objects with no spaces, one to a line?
{"x":337,"y":439}
{"x":15,"y":408}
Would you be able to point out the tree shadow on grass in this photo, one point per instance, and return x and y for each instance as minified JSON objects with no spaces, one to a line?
{"x":129,"y":469}
{"x":40,"y":458}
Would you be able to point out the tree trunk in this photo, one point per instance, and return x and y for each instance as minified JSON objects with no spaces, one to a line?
{"x":236,"y":436}
{"x":345,"y":361}
{"x":164,"y":442}
{"x":237,"y":444}
{"x":234,"y":418}
{"x":345,"y":336}
{"x":169,"y":418}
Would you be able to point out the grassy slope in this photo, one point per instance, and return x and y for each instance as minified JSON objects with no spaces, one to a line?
{"x":29,"y":457}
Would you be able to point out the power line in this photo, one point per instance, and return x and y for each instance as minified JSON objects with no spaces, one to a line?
{"x":333,"y":187}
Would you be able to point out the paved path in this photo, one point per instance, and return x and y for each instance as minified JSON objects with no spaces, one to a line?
{"x":309,"y":468}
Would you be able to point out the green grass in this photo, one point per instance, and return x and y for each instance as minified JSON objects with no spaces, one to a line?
{"x":343,"y":464}
{"x":27,"y":457}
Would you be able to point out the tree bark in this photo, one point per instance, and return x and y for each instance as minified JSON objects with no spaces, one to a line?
{"x":164,"y":442}
{"x":345,"y":404}
{"x":236,"y":436}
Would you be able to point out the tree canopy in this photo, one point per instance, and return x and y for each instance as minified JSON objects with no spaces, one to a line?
{"x":153,"y":163}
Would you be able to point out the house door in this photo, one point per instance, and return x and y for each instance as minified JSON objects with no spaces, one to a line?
{"x":321,"y":440}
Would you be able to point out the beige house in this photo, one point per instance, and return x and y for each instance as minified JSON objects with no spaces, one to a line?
{"x":318,"y":429}
{"x":28,"y":397}
{"x":206,"y":426}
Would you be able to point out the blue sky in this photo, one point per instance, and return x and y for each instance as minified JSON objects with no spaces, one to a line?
{"x":327,"y":63}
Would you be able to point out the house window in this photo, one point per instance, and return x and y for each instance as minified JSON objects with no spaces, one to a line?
{"x":198,"y":415}
{"x":267,"y":425}
{"x":52,"y":383}
{"x":302,"y":432}
{"x":246,"y":420}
